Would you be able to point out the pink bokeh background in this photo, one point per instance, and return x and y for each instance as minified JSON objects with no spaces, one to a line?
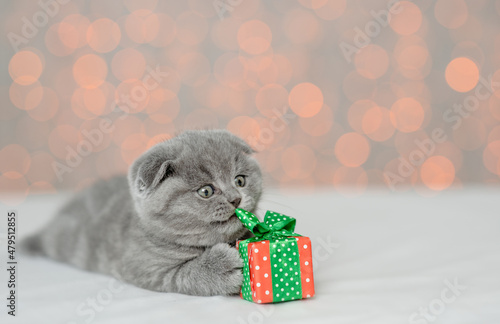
{"x":396,"y":95}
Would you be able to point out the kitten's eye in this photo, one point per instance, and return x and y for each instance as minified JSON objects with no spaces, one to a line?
{"x":206,"y":191}
{"x":240,"y":181}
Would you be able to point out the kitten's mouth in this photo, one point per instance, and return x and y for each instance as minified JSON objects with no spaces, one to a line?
{"x":227,"y":221}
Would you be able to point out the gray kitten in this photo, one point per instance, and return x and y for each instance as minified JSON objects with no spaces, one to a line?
{"x":165,"y":227}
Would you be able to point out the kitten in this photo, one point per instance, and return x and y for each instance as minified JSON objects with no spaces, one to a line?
{"x":168,"y":225}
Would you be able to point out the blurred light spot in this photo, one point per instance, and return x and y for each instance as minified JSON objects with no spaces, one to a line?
{"x":376,"y":124}
{"x":437,"y":173}
{"x":271,"y":99}
{"x":470,"y":50}
{"x":14,"y":158}
{"x":72,"y":31}
{"x":128,"y":63}
{"x":78,"y":105}
{"x":451,"y":13}
{"x":301,"y":27}
{"x":352,"y":149}
{"x":99,"y":101}
{"x":462,"y":74}
{"x":192,"y":28}
{"x":90,"y":71}
{"x":93,"y":132}
{"x":103,"y":35}
{"x":167,"y":31}
{"x":298,"y":161}
{"x":470,"y":135}
{"x":25,"y":67}
{"x":413,"y":57}
{"x":332,"y":10}
{"x":193,"y":68}
{"x":320,"y":124}
{"x":142,"y":26}
{"x":47,"y":107}
{"x":305,"y":99}
{"x":245,"y":127}
{"x":276,"y":70}
{"x":26,"y":97}
{"x":491,"y":157}
{"x":54,"y":43}
{"x":407,"y":19}
{"x":274,"y":134}
{"x":132,"y":96}
{"x":452,"y":152}
{"x":494,"y":134}
{"x":407,"y":115}
{"x":254,"y":37}
{"x":356,"y":113}
{"x":371,"y":61}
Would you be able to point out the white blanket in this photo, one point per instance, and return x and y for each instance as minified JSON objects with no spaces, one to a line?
{"x":378,"y":258}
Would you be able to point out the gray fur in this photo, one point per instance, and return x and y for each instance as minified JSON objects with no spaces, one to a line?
{"x":152,"y":229}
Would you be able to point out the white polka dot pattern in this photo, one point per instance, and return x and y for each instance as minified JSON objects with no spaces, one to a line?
{"x":278,"y":269}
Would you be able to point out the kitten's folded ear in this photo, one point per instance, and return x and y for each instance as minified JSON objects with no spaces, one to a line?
{"x":149,"y":170}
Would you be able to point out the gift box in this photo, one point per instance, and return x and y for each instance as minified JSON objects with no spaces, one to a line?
{"x":277,"y":263}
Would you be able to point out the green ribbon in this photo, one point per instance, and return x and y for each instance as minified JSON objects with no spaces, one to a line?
{"x":278,"y":229}
{"x":274,"y":226}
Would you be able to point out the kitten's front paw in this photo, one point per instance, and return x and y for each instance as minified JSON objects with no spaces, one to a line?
{"x":225,"y":264}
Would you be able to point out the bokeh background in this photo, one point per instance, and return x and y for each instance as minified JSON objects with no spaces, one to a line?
{"x":398,"y":95}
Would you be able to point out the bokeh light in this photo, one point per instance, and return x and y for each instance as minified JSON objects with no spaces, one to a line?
{"x":142,"y":26}
{"x":451,"y":13}
{"x":371,"y":61}
{"x":25,"y":67}
{"x":437,"y":173}
{"x":128,"y":63}
{"x":352,"y":149}
{"x":408,"y":18}
{"x":90,"y":71}
{"x":407,"y":114}
{"x":305,"y":99}
{"x":462,"y":74}
{"x":103,"y":35}
{"x":254,"y":37}
{"x":327,"y":91}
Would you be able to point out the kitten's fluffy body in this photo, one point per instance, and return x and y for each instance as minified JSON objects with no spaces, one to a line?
{"x":152,"y":228}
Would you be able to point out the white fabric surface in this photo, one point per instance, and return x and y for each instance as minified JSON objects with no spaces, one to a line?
{"x":378,"y":258}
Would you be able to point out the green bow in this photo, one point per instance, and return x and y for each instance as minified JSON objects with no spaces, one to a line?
{"x":275,"y":225}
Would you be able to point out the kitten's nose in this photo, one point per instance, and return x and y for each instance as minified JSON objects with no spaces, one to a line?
{"x":236,"y":202}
